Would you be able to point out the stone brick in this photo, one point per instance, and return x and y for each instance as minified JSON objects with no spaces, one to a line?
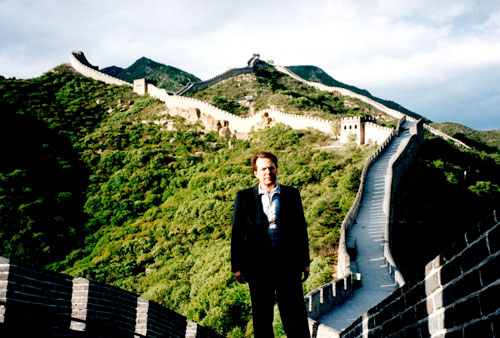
{"x":489,"y":300}
{"x":474,"y":255}
{"x":421,"y":310}
{"x":468,"y":284}
{"x":472,"y":234}
{"x":490,"y":271}
{"x":408,"y":317}
{"x":448,"y":295}
{"x":375,"y":333}
{"x":432,"y":283}
{"x":450,"y":271}
{"x":457,"y":333}
{"x":423,"y":328}
{"x":416,"y":294}
{"x":480,"y":328}
{"x":397,"y":306}
{"x":495,"y":324}
{"x":494,"y":240}
{"x":453,"y":250}
{"x":436,"y":322}
{"x":467,"y":310}
{"x":411,"y":332}
{"x":391,"y":326}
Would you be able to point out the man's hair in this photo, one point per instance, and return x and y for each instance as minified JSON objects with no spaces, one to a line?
{"x":264,"y":154}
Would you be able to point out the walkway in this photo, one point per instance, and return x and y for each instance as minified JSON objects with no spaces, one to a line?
{"x":368,"y":232}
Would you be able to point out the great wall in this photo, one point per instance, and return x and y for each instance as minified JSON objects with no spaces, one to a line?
{"x":456,"y":297}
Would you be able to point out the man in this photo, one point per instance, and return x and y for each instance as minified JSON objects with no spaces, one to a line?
{"x":270,"y":250}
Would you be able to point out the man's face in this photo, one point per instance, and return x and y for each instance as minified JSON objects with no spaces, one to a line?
{"x":266,"y":171}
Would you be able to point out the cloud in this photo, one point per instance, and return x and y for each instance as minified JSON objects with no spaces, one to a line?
{"x":413,"y":50}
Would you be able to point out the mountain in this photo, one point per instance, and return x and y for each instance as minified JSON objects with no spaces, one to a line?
{"x":315,"y":74}
{"x":167,"y":77}
{"x":113,"y":71}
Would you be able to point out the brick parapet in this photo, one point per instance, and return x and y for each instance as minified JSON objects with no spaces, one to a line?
{"x":35,"y":302}
{"x":324,"y":298}
{"x":456,"y":296}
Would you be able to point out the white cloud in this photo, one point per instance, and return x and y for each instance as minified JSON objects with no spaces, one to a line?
{"x":414,"y":50}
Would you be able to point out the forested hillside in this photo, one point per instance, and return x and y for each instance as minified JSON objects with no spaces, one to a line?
{"x":91,"y":186}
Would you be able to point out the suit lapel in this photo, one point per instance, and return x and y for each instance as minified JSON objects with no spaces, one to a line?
{"x":259,"y":211}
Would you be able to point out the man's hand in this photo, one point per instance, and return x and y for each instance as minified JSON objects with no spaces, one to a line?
{"x":305,"y":274}
{"x":239,"y":277}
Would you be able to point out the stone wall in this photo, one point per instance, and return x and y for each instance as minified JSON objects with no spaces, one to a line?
{"x":376,"y":134}
{"x":216,"y":79}
{"x":324,"y":299}
{"x":239,"y":126}
{"x":458,"y":295}
{"x":397,"y":169}
{"x":347,"y":92}
{"x":40,"y":303}
{"x":93,"y":73}
{"x":446,"y":137}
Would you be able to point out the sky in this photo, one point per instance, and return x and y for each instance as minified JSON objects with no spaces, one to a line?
{"x":440,"y":59}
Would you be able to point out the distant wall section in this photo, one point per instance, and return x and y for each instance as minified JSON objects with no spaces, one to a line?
{"x":92,"y":71}
{"x":238,"y":126}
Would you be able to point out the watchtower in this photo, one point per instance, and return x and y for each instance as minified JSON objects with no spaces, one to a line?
{"x":354,"y":125}
{"x":141,"y":85}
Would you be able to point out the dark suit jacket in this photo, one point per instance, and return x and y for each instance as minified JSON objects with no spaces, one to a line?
{"x":250,"y":251}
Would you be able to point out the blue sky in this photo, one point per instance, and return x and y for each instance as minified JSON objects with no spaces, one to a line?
{"x":440,"y":59}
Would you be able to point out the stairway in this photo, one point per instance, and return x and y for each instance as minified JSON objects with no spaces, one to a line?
{"x":368,"y":234}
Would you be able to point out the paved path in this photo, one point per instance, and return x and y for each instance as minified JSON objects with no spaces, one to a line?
{"x":368,"y":232}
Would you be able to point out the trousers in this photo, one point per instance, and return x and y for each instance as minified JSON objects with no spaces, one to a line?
{"x":286,"y":290}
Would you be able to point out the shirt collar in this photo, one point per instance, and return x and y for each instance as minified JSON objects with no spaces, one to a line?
{"x":276,"y":190}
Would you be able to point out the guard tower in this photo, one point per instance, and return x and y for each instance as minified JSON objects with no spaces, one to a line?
{"x":141,"y":85}
{"x":354,"y":126}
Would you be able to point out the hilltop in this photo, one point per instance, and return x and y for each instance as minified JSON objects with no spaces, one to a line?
{"x":167,"y":77}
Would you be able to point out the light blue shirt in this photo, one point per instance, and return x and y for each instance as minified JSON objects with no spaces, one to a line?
{"x":271,"y":206}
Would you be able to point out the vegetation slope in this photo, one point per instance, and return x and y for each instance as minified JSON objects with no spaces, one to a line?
{"x":268,"y":88}
{"x":91,"y":186}
{"x":315,"y":74}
